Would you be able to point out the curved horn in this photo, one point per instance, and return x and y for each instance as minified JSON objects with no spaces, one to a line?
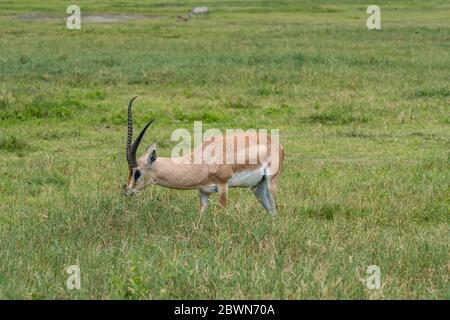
{"x":135,"y":145}
{"x":130,"y":159}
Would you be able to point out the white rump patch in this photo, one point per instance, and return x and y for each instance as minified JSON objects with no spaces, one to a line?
{"x":246,"y":178}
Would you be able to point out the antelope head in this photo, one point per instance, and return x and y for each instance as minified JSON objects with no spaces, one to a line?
{"x":139,"y":173}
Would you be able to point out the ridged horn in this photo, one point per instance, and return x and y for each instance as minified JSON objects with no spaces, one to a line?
{"x":135,"y":145}
{"x":132,"y":148}
{"x":130,"y":159}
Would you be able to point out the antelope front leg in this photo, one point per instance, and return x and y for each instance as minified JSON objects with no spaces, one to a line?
{"x":223,"y":195}
{"x":204,"y":200}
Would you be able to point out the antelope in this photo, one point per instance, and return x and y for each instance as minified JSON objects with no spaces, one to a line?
{"x":260,"y":170}
{"x":199,"y":11}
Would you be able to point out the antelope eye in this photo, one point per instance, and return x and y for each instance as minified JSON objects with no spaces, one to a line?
{"x":137,"y":174}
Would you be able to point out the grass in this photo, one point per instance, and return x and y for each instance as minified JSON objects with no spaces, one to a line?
{"x":363,"y":116}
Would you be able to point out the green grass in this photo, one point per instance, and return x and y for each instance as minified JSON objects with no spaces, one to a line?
{"x":363,"y":117}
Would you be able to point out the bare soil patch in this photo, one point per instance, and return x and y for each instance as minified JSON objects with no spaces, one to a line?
{"x":97,"y":18}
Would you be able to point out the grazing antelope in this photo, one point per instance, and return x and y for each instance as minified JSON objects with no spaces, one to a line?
{"x":199,"y":11}
{"x":263,"y":159}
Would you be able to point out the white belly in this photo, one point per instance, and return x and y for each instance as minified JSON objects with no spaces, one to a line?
{"x":246,"y":178}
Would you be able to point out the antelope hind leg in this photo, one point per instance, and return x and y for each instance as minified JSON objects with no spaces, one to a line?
{"x":264,"y":196}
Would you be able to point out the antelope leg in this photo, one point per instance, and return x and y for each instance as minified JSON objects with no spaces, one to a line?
{"x":204,"y":200}
{"x":262,"y":193}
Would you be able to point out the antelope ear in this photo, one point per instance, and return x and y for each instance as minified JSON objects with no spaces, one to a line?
{"x":151,"y":154}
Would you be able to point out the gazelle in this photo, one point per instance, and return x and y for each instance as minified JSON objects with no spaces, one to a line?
{"x":199,"y":11}
{"x":263,"y":159}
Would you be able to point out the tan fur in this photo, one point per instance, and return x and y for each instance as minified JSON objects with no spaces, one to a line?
{"x":182,"y":173}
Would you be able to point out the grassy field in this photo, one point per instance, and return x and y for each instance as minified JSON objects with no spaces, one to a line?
{"x":363,"y":115}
